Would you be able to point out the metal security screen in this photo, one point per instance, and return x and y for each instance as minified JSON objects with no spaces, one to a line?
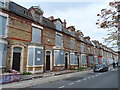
{"x":73,"y":59}
{"x":3,"y":52}
{"x":30,"y":56}
{"x":36,"y":35}
{"x":84,"y":59}
{"x":35,"y":56}
{"x":58,"y":57}
{"x":38,"y":56}
{"x":59,"y":40}
{"x":3,"y":21}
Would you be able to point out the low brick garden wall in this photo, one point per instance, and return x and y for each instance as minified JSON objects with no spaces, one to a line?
{"x":9,"y":77}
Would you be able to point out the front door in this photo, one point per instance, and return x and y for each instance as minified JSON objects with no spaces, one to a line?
{"x":78,"y":60}
{"x":48,"y":60}
{"x":66,"y":61}
{"x":16,"y":59}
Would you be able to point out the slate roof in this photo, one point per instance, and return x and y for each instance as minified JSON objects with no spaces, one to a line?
{"x":19,"y":10}
{"x":24,"y":12}
{"x":48,"y":23}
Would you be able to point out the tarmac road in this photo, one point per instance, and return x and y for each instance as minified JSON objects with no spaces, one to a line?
{"x":90,"y":80}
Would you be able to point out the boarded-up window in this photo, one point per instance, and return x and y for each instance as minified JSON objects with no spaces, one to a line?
{"x":3,"y":25}
{"x":30,"y":56}
{"x":88,"y":49}
{"x":96,"y":59}
{"x":72,"y":33}
{"x":36,"y":35}
{"x":58,"y":57}
{"x":2,"y":4}
{"x":82,"y":48}
{"x":58,"y":26}
{"x":59,"y":40}
{"x":73,"y":59}
{"x":3,"y":52}
{"x":38,"y":56}
{"x":35,"y":56}
{"x":83,"y":57}
{"x":72,"y":44}
{"x":90,"y":58}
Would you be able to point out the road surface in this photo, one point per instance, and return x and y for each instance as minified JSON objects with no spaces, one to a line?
{"x":107,"y":79}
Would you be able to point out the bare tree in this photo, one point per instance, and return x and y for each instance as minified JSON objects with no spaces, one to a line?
{"x":109,"y":18}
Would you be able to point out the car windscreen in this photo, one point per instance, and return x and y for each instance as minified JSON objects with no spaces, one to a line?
{"x":99,"y":66}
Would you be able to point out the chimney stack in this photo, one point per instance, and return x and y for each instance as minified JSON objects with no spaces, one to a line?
{"x":64,"y":23}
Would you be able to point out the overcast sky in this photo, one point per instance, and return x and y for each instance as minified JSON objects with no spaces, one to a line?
{"x":81,"y":13}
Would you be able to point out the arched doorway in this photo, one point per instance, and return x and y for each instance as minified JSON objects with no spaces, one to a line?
{"x":66,"y":60}
{"x":48,"y":60}
{"x":16,"y":58}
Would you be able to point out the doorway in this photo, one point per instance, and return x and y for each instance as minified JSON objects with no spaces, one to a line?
{"x":48,"y":60}
{"x":66,"y":61}
{"x":16,"y":58}
{"x":78,"y":61}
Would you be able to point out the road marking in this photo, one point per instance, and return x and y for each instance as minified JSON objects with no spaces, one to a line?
{"x":92,"y":76}
{"x":71,"y":83}
{"x":89,"y":77}
{"x":78,"y":81}
{"x":68,"y":75}
{"x":61,"y":87}
{"x":96,"y":75}
{"x":84,"y":79}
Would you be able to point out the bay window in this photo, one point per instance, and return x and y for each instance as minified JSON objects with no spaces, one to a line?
{"x":35,"y":55}
{"x":58,"y":57}
{"x":73,"y":59}
{"x":3,"y":52}
{"x":83,"y":57}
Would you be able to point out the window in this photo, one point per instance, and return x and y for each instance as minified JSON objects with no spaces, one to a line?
{"x":73,"y":59}
{"x":81,"y":38}
{"x":88,"y":49}
{"x":36,"y":35}
{"x":2,"y":4}
{"x":3,"y":21}
{"x":72,"y":32}
{"x":84,"y":59}
{"x":58,"y":57}
{"x":96,"y":59}
{"x":37,"y":16}
{"x":58,"y":26}
{"x":82,"y":48}
{"x":59,"y":40}
{"x":72,"y":44}
{"x":3,"y":52}
{"x":90,"y":58}
{"x":35,"y":56}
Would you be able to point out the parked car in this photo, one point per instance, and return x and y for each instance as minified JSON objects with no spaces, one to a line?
{"x":100,"y":67}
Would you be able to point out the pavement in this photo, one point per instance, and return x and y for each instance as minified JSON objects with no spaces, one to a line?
{"x":37,"y":79}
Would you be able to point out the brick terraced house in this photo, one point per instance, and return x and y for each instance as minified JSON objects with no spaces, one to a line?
{"x":30,"y":42}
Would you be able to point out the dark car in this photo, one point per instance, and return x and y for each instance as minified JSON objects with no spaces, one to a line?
{"x":100,"y":68}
